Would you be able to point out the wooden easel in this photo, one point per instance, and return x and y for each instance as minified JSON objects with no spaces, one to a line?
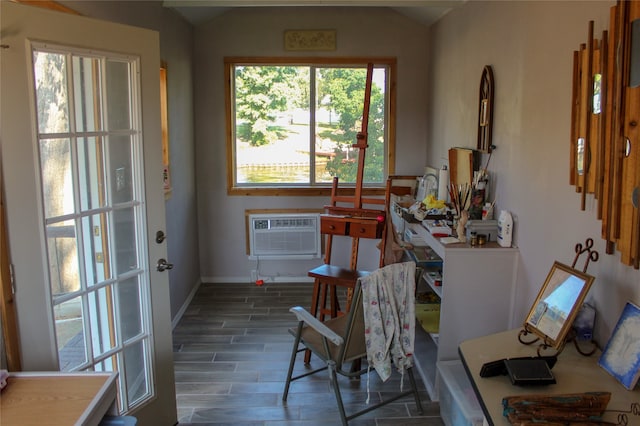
{"x":352,"y":220}
{"x":347,"y":216}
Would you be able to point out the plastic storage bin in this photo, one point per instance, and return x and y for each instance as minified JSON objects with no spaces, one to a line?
{"x":458,"y":403}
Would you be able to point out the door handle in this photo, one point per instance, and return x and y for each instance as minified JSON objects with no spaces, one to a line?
{"x":163,"y":265}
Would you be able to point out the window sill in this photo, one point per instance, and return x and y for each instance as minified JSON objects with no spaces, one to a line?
{"x":299,"y":191}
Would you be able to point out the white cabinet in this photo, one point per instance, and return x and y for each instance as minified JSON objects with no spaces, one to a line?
{"x":477,"y":292}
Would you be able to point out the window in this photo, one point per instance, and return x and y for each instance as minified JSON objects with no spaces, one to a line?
{"x":292,"y":123}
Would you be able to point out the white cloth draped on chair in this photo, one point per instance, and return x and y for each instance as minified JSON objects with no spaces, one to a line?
{"x":340,"y":342}
{"x":388,"y":297}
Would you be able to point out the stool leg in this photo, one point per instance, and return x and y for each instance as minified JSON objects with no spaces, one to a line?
{"x":322,"y":311}
{"x":334,"y":301}
{"x":314,"y":297}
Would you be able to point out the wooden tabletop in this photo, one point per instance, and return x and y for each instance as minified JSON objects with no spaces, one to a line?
{"x":574,"y":373}
{"x":57,"y":398}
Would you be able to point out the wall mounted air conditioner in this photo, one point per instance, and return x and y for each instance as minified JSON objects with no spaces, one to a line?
{"x":284,"y":236}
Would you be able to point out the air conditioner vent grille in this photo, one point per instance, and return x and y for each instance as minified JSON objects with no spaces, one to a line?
{"x":285,"y":236}
{"x":285,"y":223}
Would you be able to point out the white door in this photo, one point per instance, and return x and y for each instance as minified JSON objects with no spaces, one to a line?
{"x":80,"y":144}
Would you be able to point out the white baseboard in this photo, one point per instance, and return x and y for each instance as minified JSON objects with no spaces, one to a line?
{"x":185,"y":305}
{"x":303,"y":279}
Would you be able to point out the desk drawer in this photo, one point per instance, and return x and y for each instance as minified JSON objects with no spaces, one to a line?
{"x":333,"y":225}
{"x":366,"y":229}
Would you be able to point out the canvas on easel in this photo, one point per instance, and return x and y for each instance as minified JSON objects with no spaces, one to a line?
{"x":621,"y":355}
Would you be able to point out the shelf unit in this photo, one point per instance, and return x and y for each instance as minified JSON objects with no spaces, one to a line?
{"x":477,"y":298}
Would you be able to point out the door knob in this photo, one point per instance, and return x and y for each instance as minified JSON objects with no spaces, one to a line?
{"x":163,"y":265}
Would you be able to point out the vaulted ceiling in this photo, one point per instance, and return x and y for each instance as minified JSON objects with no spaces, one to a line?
{"x":424,"y":11}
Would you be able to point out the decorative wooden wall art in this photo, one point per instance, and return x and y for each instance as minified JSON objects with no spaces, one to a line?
{"x":605,"y":136}
{"x":485,"y":110}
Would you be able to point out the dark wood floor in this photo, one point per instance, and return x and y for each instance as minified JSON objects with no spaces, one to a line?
{"x":232,"y":350}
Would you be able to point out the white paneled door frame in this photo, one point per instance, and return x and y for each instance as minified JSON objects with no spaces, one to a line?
{"x":81,"y":146}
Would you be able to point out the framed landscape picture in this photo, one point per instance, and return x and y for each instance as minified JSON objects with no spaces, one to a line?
{"x":621,"y":355}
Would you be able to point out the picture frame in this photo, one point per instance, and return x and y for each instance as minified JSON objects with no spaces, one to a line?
{"x":557,"y":304}
{"x":310,"y":40}
{"x":621,"y":355}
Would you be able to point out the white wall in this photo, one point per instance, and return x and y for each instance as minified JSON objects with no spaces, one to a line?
{"x":259,"y":32}
{"x":176,"y":37}
{"x":529,"y":44}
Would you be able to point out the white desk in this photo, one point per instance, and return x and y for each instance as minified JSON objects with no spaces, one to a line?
{"x":476,"y":299}
{"x":57,"y":398}
{"x":574,"y":373}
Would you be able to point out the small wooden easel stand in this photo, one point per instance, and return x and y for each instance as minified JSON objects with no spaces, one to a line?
{"x":591,"y":255}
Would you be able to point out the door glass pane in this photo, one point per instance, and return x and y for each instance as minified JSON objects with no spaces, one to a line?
{"x":120,"y":162}
{"x":70,"y":334}
{"x":101,"y":318}
{"x":56,"y":173}
{"x":136,"y":368}
{"x":96,"y":248}
{"x":50,"y":71}
{"x":63,"y":258}
{"x":89,"y":182}
{"x":91,"y":172}
{"x":130,"y":308}
{"x":108,"y":364}
{"x":125,"y":240}
{"x":118,"y":99}
{"x":86,"y":81}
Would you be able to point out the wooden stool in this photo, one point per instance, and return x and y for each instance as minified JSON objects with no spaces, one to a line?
{"x":327,"y":277}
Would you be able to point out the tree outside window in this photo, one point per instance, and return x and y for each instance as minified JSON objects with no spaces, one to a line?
{"x":294,"y":124}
